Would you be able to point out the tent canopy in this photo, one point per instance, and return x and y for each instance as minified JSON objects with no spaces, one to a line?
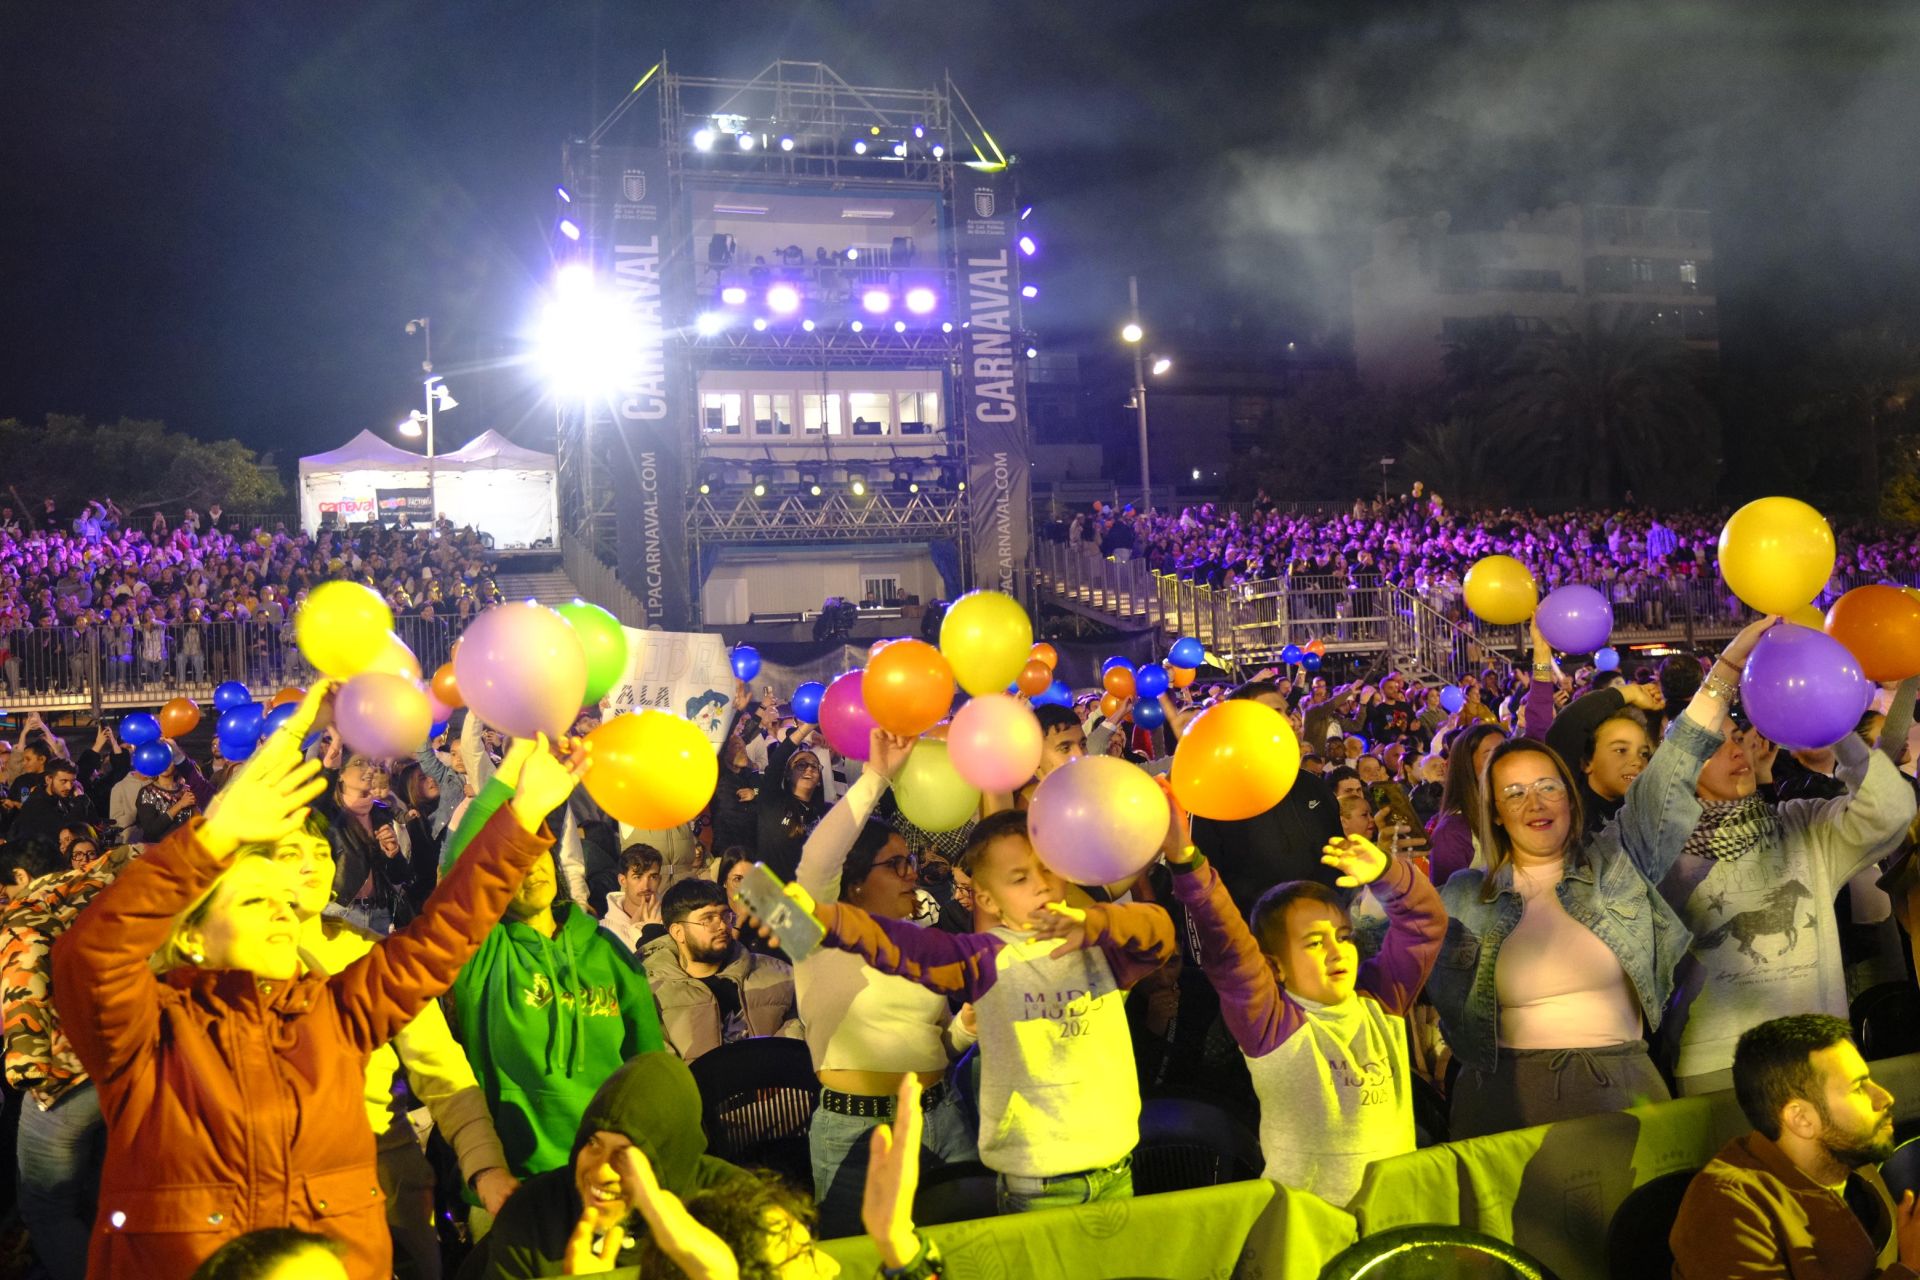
{"x":365,"y":450}
{"x":494,"y":452}
{"x":492,"y":484}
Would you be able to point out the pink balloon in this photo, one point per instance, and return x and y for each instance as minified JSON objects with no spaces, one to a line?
{"x":1097,"y":820}
{"x":844,"y":718}
{"x":440,"y":711}
{"x":521,"y":669}
{"x":994,"y":742}
{"x":382,"y":715}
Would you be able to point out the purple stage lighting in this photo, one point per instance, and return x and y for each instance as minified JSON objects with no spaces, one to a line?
{"x":733,"y":295}
{"x":759,"y":324}
{"x":860,"y":148}
{"x":569,"y":228}
{"x":1029,"y":290}
{"x":1028,"y":247}
{"x":899,"y":326}
{"x":562,"y":193}
{"x":921,"y":300}
{"x":877,"y":301}
{"x":856,"y":326}
{"x":783,"y":298}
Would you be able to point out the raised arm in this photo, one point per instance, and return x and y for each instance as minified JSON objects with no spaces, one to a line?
{"x":1849,"y":832}
{"x":1899,"y":722}
{"x":951,"y":964}
{"x":825,"y":852}
{"x":1536,"y":713}
{"x":1256,"y":1009}
{"x":1416,"y":922}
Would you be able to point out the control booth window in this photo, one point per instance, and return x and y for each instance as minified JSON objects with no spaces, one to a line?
{"x":870,"y":412}
{"x":884,"y":590}
{"x":820,"y":413}
{"x":720,"y":413}
{"x":919,"y":412}
{"x":772,"y":414}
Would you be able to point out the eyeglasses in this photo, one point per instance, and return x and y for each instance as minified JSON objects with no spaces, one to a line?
{"x":710,"y":919}
{"x":903,"y":866}
{"x":1548,"y":790}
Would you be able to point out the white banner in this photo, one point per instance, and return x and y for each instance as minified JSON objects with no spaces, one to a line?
{"x":687,"y":673}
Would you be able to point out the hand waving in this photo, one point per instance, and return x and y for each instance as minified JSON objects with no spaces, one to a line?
{"x":268,"y":796}
{"x":893,"y":1176}
{"x":1358,"y":860}
{"x":696,"y":1250}
{"x":888,"y":753}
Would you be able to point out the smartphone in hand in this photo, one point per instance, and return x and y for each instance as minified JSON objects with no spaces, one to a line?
{"x":792,"y":926}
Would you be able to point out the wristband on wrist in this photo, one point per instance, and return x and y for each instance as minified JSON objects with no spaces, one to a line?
{"x":924,"y":1265}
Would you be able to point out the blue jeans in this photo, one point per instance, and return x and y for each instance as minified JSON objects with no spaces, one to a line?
{"x":60,"y":1155}
{"x":841,"y":1152}
{"x":1064,"y":1191}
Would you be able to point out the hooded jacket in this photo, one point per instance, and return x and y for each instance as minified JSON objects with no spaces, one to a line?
{"x":545,"y":1022}
{"x":654,"y":1102}
{"x":690,"y":1011}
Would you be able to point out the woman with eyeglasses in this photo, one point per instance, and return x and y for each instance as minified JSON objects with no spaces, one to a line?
{"x":1560,"y":952}
{"x":868,"y":1030}
{"x":791,"y":799}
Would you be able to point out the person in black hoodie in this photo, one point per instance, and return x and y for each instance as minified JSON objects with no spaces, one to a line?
{"x":651,"y":1103}
{"x":791,"y":801}
{"x":1604,"y":735}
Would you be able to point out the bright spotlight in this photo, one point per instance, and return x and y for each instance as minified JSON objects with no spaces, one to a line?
{"x":562,"y":193}
{"x":759,"y":324}
{"x":876,"y":301}
{"x":860,"y":147}
{"x":786,"y":144}
{"x":856,"y":326}
{"x":574,"y":280}
{"x":859,"y":487}
{"x":569,"y":228}
{"x":411,"y":427}
{"x":1132,"y":333}
{"x":946,"y":326}
{"x":759,"y":489}
{"x":1161,"y":365}
{"x":807,"y":325}
{"x":938,"y":151}
{"x":1196,"y":473}
{"x":587,"y":336}
{"x":783,"y":298}
{"x":853,"y":254}
{"x":709,"y":323}
{"x":746,"y":142}
{"x":919,"y":131}
{"x":900,"y":150}
{"x":921,"y":300}
{"x":703,"y":139}
{"x":733,"y":295}
{"x":1028,"y":247}
{"x":1032,"y":352}
{"x":1029,"y":290}
{"x":1025,"y":213}
{"x":814,"y":489}
{"x":899,"y":326}
{"x":913,"y":486}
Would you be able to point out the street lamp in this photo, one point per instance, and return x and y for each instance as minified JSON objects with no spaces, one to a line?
{"x":438,"y":397}
{"x":1133,"y":335}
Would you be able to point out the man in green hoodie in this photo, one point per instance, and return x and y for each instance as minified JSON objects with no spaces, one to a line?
{"x":548,"y":1009}
{"x":651,"y":1103}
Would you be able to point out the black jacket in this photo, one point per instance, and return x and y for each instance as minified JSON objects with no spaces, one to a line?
{"x":1284,"y":843}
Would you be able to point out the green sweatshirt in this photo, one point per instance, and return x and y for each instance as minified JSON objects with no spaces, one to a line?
{"x":545,"y":1021}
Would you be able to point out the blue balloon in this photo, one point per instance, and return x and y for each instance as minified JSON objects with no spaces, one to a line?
{"x":1607,"y":659}
{"x":1186,"y":652}
{"x":237,"y":750}
{"x":239,"y":729}
{"x":1452,"y":699}
{"x":1115,"y":661}
{"x":434,"y":733}
{"x":283,"y":713}
{"x":1149,"y":715}
{"x":746,"y":662}
{"x":806,"y":702}
{"x":1311,"y":661}
{"x":139,"y":729}
{"x":230,"y":695}
{"x":1150,"y":681}
{"x":1056,"y":694}
{"x":150,"y":759}
{"x":1292,"y":654}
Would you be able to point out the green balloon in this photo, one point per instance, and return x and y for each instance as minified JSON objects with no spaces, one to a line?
{"x":605,"y":643}
{"x":930,"y":791}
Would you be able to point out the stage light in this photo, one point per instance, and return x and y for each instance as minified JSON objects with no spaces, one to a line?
{"x":786,"y":144}
{"x":946,"y":326}
{"x":703,"y":139}
{"x":562,"y":193}
{"x":759,"y":324}
{"x":709,"y":323}
{"x":913,"y":486}
{"x":1131,"y":333}
{"x":858,"y":486}
{"x":746,"y":142}
{"x":961,"y":487}
{"x":877,"y":301}
{"x":814,"y":489}
{"x":1161,"y":364}
{"x":856,"y":326}
{"x":705,"y":488}
{"x":938,"y":151}
{"x":1033,"y":353}
{"x":733,"y":295}
{"x":1028,"y":247}
{"x":919,"y":131}
{"x":900,"y":150}
{"x":921,"y":300}
{"x":759,"y":488}
{"x":853,"y":254}
{"x":807,"y":325}
{"x":569,"y":228}
{"x":587,"y":336}
{"x":575,"y":280}
{"x":860,"y":148}
{"x":1029,"y":290}
{"x":874,"y":130}
{"x":1025,"y":212}
{"x":783,"y":298}
{"x":1196,"y":473}
{"x":899,"y":326}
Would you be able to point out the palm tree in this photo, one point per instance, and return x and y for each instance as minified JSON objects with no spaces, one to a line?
{"x":1862,"y":386}
{"x":1458,"y":459}
{"x":1618,"y":401}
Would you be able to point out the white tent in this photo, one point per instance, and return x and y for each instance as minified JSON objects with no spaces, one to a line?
{"x":492,"y":484}
{"x":500,"y":488}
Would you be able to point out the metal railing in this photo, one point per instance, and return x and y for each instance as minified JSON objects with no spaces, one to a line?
{"x":598,"y":582}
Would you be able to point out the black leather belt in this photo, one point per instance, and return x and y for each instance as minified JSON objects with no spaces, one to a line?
{"x":866,"y":1106}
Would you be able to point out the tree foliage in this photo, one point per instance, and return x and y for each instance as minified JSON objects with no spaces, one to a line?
{"x":139,"y":464}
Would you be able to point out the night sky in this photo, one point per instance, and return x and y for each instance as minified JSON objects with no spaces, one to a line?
{"x":223,"y":214}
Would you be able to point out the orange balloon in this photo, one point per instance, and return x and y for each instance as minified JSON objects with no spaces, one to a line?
{"x":1034,"y":678}
{"x":291,"y":693}
{"x":1119,"y":681}
{"x":873,"y":650}
{"x":445,"y":688}
{"x":1044,"y":652}
{"x":908,"y":687}
{"x":1881,"y":627}
{"x":179,"y":717}
{"x":1111,"y":704}
{"x":1316,"y":647}
{"x":1181,"y":677}
{"x":1237,"y":759}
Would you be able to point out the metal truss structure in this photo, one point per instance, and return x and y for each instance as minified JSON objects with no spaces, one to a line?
{"x":837,"y":347}
{"x":739,"y":517}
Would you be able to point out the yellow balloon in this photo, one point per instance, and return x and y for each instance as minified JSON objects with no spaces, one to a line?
{"x":987,"y":639}
{"x":1500,"y":590}
{"x":395,"y":659}
{"x":652,"y":770}
{"x":343,"y":627}
{"x":1776,"y":554}
{"x":1808,"y":615}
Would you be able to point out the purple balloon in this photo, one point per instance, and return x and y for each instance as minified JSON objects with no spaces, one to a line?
{"x":1575,"y":619}
{"x":1802,"y":688}
{"x":844,"y":719}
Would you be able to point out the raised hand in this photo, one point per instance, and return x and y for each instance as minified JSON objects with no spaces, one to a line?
{"x":1741,"y":645}
{"x":1058,"y":920}
{"x":698,"y":1252}
{"x":1358,"y":860}
{"x":266,"y":799}
{"x":893,"y":1176}
{"x":1647,"y":697}
{"x":887,"y":753}
{"x":1178,"y":845}
{"x":546,"y":782}
{"x":582,"y":1259}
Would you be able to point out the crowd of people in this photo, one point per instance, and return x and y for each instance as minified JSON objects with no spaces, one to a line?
{"x":141,"y":604}
{"x":233,"y":995}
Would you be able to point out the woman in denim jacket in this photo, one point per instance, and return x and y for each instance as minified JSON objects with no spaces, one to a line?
{"x":1589,"y":945}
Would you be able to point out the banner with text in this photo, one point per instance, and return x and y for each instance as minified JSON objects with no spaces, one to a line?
{"x":686,"y":673}
{"x":415,"y":504}
{"x":651,"y":416}
{"x":993,"y":379}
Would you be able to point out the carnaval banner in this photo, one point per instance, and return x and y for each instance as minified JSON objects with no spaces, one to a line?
{"x":415,"y":504}
{"x":687,"y":673}
{"x":993,"y":379}
{"x":651,"y":415}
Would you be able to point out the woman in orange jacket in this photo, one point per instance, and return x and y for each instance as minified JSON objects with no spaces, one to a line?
{"x":231,"y":1083}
